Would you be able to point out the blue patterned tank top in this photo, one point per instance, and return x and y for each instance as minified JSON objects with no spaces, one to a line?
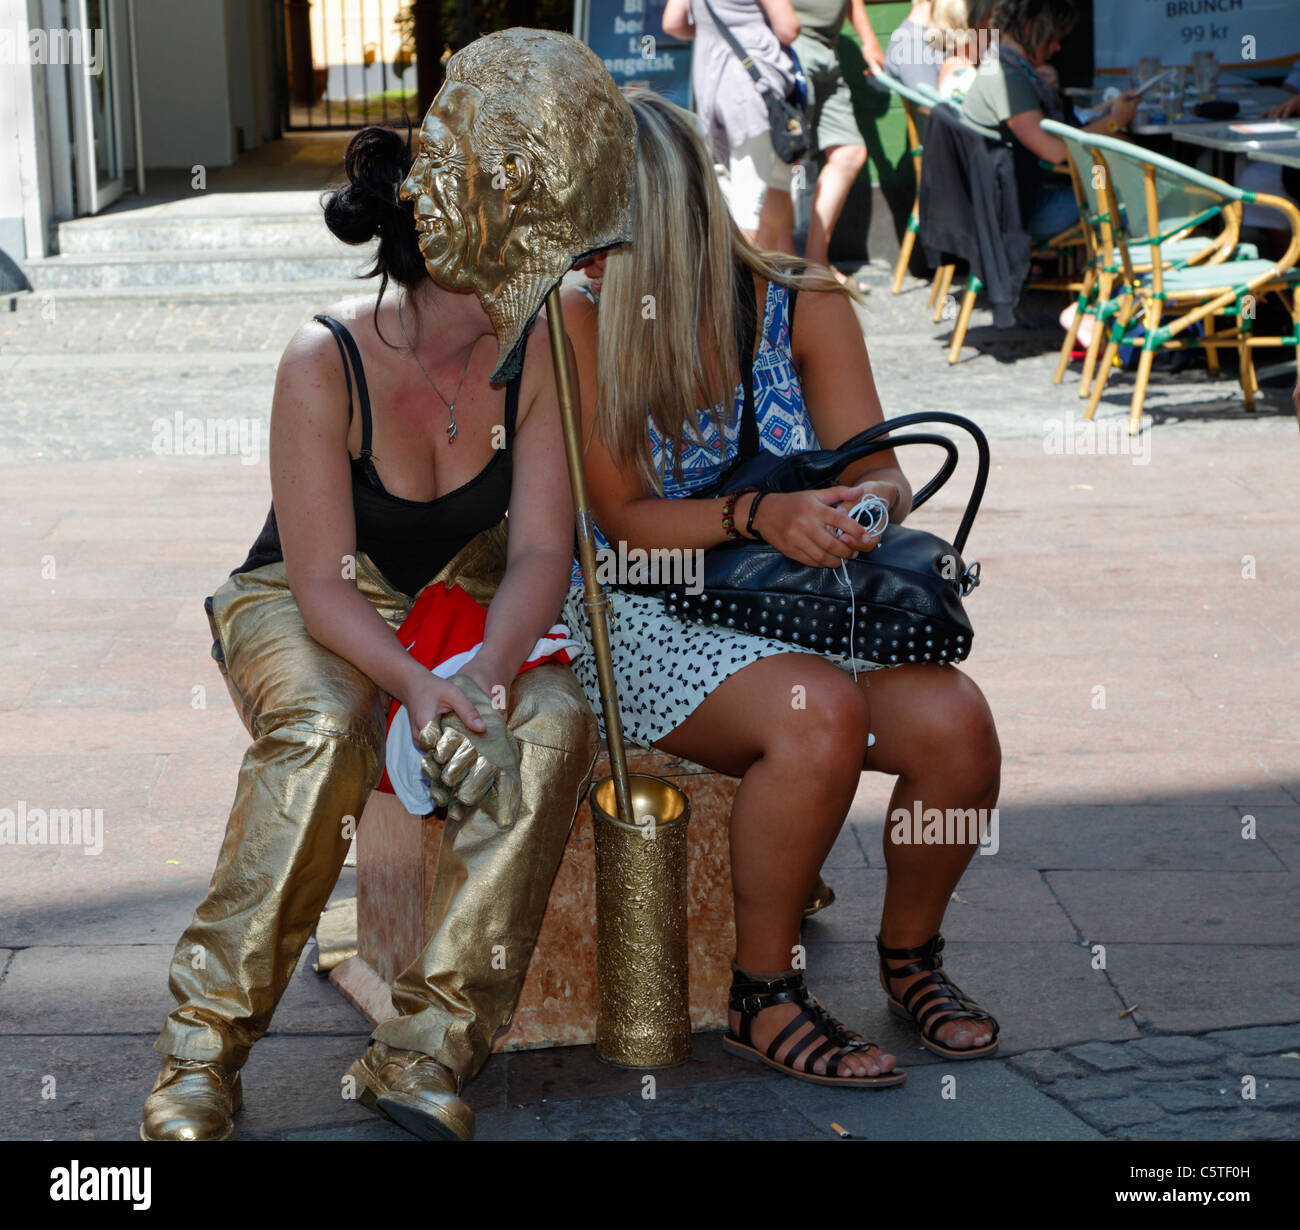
{"x":784,"y":427}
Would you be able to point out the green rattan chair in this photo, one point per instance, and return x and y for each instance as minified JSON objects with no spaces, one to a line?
{"x":1097,"y":296}
{"x":1155,"y":199}
{"x":1061,"y":247}
{"x":916,"y":106}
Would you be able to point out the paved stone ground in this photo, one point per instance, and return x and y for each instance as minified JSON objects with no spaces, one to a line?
{"x":1137,"y":641}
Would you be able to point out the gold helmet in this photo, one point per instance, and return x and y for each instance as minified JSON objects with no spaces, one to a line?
{"x":526,"y":166}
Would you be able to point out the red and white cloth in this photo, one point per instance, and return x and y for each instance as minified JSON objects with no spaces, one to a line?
{"x":443,"y":632}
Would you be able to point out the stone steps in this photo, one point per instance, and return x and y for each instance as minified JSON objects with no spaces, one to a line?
{"x":115,"y":233}
{"x":181,"y":269}
{"x":228,"y":242}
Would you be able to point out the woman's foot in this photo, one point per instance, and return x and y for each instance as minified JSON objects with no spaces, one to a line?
{"x":951,"y":1024}
{"x":777,"y":1023}
{"x":852,"y":283}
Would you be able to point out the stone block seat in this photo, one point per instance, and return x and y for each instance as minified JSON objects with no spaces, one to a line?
{"x":396,"y":854}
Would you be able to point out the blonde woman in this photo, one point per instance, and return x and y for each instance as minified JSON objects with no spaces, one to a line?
{"x":908,"y":55}
{"x":724,"y":698}
{"x":956,"y":28}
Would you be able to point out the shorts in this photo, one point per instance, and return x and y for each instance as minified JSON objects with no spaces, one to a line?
{"x":753,"y":169}
{"x":830,"y":103}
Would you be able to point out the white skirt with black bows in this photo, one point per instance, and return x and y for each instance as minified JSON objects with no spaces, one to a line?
{"x":664,"y":667}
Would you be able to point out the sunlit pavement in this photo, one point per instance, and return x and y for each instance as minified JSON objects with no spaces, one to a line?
{"x":1136,"y":637}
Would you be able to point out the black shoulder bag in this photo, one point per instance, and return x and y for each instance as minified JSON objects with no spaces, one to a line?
{"x":788,"y":122}
{"x":898,"y":603}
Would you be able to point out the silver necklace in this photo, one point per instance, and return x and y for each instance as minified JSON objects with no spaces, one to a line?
{"x":452,"y":429}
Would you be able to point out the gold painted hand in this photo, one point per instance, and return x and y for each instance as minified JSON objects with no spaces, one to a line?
{"x":467,"y":769}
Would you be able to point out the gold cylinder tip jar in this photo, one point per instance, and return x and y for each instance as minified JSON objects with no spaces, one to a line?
{"x":644,"y":1018}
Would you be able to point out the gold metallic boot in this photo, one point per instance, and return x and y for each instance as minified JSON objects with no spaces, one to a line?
{"x":415,"y":1091}
{"x":192,"y":1100}
{"x":821,"y":896}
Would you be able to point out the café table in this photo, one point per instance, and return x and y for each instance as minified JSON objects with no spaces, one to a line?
{"x":1286,"y":154}
{"x":1252,"y":101}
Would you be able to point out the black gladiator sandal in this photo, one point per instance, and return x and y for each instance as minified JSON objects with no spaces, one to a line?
{"x":930,"y":1001}
{"x":749,"y":998}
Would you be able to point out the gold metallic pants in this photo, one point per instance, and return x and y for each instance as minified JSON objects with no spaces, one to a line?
{"x":318,"y":727}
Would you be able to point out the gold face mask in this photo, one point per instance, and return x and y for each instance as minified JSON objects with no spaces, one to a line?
{"x":525,"y":167}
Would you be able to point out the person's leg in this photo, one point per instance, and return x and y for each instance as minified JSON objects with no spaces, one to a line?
{"x":1055,"y":210}
{"x":933,"y":729}
{"x":318,"y":737}
{"x":837,"y":175}
{"x":491,"y":884}
{"x":793,"y":728}
{"x":845,"y":152}
{"x":776,"y":219}
{"x":747,"y":184}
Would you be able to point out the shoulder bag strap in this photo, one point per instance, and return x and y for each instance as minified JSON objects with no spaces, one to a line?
{"x":746,"y":60}
{"x":877,"y":439}
{"x":746,"y":336}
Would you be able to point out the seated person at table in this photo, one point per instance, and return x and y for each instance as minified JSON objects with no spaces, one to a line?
{"x":956,"y":30}
{"x":1011,"y":96}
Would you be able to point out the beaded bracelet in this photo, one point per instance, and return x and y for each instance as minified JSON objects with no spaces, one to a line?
{"x":729,"y":514}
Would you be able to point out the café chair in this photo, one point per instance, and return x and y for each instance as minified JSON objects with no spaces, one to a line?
{"x":957,"y":151}
{"x":1179,"y":248}
{"x":916,"y":107}
{"x":1155,"y":198}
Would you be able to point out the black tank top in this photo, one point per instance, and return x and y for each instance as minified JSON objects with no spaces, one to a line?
{"x":409,"y":540}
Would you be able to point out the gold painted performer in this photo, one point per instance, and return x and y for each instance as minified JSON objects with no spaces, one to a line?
{"x":395,"y":455}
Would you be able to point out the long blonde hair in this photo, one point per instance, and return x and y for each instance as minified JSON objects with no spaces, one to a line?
{"x":667,"y":317}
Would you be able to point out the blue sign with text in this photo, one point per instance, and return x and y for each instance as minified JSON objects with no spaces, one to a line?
{"x":629,"y":37}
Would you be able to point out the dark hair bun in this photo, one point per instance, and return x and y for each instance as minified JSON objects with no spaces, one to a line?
{"x":376,"y":163}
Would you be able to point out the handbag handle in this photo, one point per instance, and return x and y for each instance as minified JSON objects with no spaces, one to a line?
{"x":876,"y":440}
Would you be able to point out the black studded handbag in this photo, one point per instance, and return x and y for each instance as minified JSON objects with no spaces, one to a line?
{"x":901,"y":602}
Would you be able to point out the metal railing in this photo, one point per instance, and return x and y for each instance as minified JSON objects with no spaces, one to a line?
{"x":345,"y":63}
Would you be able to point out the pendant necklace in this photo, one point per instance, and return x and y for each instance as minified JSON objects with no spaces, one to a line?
{"x":452,"y":429}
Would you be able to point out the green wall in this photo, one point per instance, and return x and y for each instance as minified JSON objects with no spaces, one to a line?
{"x":877,"y":209}
{"x":880,"y":116}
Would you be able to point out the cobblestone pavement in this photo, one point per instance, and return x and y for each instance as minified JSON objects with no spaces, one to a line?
{"x":1237,"y":1084}
{"x":73,"y":370}
{"x":1166,"y":581}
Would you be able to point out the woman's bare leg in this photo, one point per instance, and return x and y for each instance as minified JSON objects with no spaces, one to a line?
{"x":776,"y":222}
{"x":934,"y":730}
{"x":794,"y":729}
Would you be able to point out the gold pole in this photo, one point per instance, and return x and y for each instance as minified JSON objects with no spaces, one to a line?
{"x":595,"y":600}
{"x":643,"y":1019}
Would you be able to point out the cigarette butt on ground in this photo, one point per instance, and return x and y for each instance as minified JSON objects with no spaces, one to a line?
{"x":843,"y":1133}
